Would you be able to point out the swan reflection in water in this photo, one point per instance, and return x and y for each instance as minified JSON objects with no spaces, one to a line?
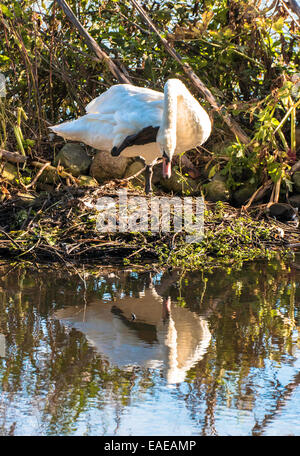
{"x":148,"y":331}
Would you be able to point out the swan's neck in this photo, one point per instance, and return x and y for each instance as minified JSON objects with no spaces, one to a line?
{"x":169,"y":120}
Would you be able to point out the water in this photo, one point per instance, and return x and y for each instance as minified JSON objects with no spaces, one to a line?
{"x":120,"y":352}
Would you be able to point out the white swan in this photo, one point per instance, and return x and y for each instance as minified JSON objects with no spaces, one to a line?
{"x":142,"y":122}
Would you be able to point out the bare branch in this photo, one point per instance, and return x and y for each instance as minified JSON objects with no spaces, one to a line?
{"x":293,"y":6}
{"x":232,"y":124}
{"x":102,"y":56}
{"x":38,"y":175}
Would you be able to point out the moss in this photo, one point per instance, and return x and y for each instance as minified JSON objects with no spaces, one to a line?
{"x":242,"y":240}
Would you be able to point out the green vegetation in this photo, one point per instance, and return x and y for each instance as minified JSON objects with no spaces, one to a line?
{"x":64,"y":228}
{"x":245,"y":52}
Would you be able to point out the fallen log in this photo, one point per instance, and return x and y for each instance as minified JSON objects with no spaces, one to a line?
{"x":13,"y":157}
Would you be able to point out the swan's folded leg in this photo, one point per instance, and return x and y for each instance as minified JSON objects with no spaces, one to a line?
{"x":148,"y":175}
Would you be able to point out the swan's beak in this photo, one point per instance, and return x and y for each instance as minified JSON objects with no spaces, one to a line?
{"x":167,"y":169}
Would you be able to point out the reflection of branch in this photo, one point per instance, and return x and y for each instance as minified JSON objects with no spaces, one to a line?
{"x":211,"y":401}
{"x":281,"y":402}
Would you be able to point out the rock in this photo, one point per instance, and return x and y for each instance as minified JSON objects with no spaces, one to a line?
{"x":9,"y":172}
{"x":157,"y":174}
{"x":296,"y":180}
{"x":74,"y":159}
{"x":87,"y":181}
{"x":282,"y":211}
{"x":295,"y":201}
{"x":216,"y":189}
{"x":104,"y":166}
{"x":244,"y":192}
{"x":178,"y":184}
{"x":134,"y":168}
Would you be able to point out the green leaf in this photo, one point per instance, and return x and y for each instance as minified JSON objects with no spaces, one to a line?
{"x":274,"y":121}
{"x":4,"y":59}
{"x":278,"y":25}
{"x":212,"y":171}
{"x":6,"y":11}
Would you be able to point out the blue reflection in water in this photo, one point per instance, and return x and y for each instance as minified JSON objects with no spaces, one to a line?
{"x":214,"y":355}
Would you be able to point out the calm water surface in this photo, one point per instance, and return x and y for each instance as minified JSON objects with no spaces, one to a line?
{"x":119,"y":352}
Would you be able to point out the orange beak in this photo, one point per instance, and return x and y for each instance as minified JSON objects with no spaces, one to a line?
{"x":167,"y":169}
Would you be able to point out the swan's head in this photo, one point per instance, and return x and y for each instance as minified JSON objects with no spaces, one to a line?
{"x":167,"y":144}
{"x":167,"y":166}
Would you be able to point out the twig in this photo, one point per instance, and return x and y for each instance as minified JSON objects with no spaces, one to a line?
{"x":85,"y":241}
{"x":11,"y":240}
{"x":232,"y":124}
{"x":34,"y":246}
{"x":294,"y":106}
{"x":134,"y":23}
{"x":294,"y":7}
{"x":258,"y":193}
{"x":54,"y":170}
{"x":126,"y":179}
{"x":95,"y":247}
{"x":102,"y":56}
{"x":136,"y":252}
{"x":38,"y":175}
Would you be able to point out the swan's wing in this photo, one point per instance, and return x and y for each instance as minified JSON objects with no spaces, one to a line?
{"x":117,"y":95}
{"x":88,"y":129}
{"x":129,"y":108}
{"x":145,"y":136}
{"x":121,"y":111}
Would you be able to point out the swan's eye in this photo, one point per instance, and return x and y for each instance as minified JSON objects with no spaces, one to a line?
{"x":166,"y":156}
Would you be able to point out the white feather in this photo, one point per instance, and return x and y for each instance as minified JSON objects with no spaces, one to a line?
{"x":125,"y":110}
